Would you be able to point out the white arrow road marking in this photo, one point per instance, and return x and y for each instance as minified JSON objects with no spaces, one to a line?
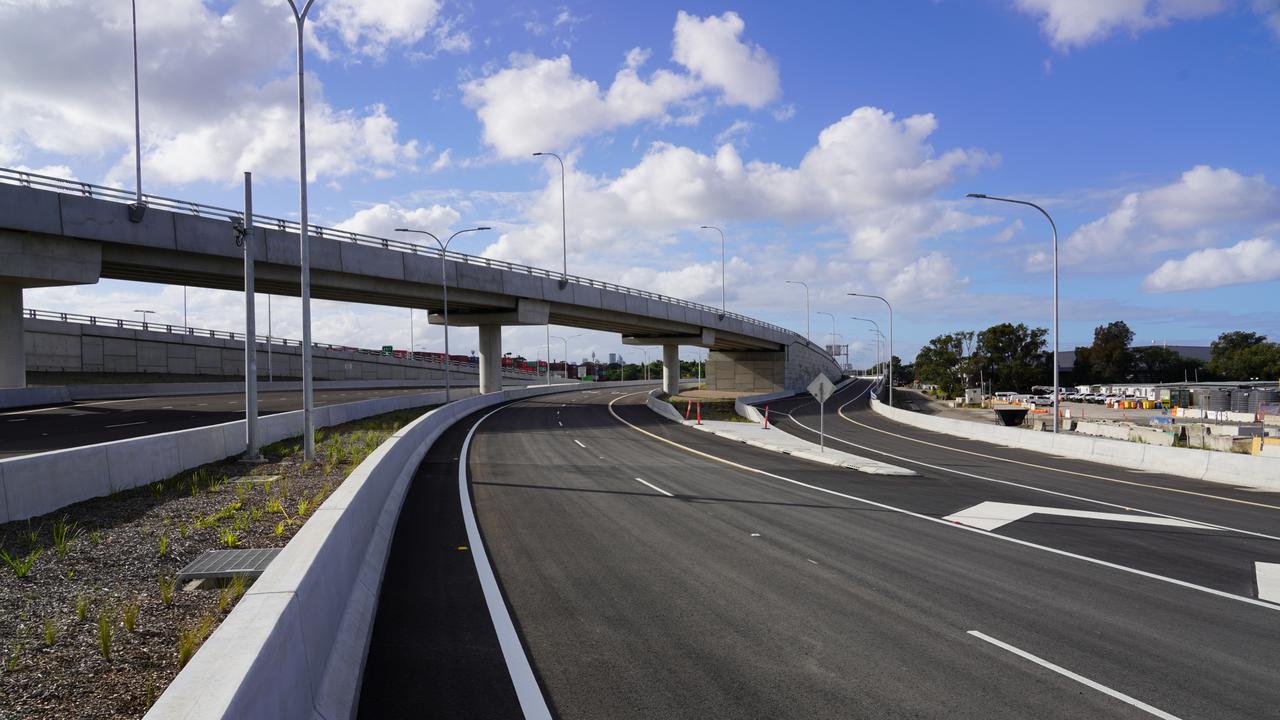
{"x":992,"y":515}
{"x":1268,"y":581}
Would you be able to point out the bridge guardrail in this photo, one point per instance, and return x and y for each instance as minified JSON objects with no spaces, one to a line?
{"x":34,"y":180}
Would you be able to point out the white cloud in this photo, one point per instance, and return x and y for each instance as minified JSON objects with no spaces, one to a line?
{"x":1075,"y":23}
{"x":1248,"y":261}
{"x":739,"y":129}
{"x":710,"y":47}
{"x":382,"y":219}
{"x":442,"y":161}
{"x":1203,"y":203}
{"x":371,"y":26}
{"x":216,"y":91}
{"x":541,"y":104}
{"x":537,"y":104}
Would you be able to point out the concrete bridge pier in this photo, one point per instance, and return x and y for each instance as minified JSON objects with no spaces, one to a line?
{"x":490,"y":358}
{"x":13,"y":362}
{"x":671,"y":369}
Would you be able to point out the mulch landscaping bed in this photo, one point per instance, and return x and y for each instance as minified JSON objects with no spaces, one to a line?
{"x":93,"y":630}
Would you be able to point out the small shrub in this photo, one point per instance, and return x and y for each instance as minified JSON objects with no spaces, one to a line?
{"x":63,"y":534}
{"x":229,"y":538}
{"x":275,"y":506}
{"x":303,"y":506}
{"x":95,"y":538}
{"x":167,"y":585}
{"x":279,"y":528}
{"x":21,"y":566}
{"x":70,"y":573}
{"x":106,"y":630}
{"x":82,"y":607}
{"x":183,"y":530}
{"x":33,"y":534}
{"x":130,"y":615}
{"x":50,"y":632}
{"x":164,"y":545}
{"x":189,"y":640}
{"x":157,"y":489}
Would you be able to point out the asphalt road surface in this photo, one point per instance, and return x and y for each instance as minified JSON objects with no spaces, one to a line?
{"x":23,"y":432}
{"x":653,"y":571}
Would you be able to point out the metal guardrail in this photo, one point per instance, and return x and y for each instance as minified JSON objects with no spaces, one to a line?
{"x":124,"y":324}
{"x":33,"y":180}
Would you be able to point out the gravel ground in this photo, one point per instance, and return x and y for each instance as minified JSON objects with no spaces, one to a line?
{"x":120,"y":551}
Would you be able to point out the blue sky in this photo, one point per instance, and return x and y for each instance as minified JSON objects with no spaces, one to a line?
{"x":833,"y":141}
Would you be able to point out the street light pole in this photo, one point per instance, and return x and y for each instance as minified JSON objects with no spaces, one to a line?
{"x":833,"y":326}
{"x":1054,"y":228}
{"x":564,"y":234}
{"x":144,"y":314}
{"x":886,"y":303}
{"x":304,"y":254}
{"x":444,"y":286}
{"x":876,"y":325}
{"x":136,"y":211}
{"x":646,"y":362}
{"x":566,"y":351}
{"x":806,"y":307}
{"x":548,"y":354}
{"x":723,"y":307}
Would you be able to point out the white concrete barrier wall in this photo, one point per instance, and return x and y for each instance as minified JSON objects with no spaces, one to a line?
{"x":662,"y":407}
{"x":1220,"y":467}
{"x":36,"y":484}
{"x":295,"y":644}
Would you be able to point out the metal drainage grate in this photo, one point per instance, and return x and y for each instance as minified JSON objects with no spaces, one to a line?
{"x":214,"y":564}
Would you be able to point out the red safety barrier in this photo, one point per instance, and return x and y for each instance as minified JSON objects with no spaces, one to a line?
{"x":699,"y":413}
{"x":688,"y":405}
{"x":766,"y":417}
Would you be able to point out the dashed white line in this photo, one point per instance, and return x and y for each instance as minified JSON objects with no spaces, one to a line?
{"x":18,"y":420}
{"x":140,"y":422}
{"x":655,"y":487}
{"x":579,"y":443}
{"x":1078,"y":678}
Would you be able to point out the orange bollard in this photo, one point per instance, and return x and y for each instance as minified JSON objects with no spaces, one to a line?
{"x":699,"y":413}
{"x":687,"y":407}
{"x":766,"y":417}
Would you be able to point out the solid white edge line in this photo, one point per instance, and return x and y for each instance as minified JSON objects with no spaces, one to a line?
{"x":1074,"y":676}
{"x":956,"y":526}
{"x":1118,"y":481}
{"x":655,"y":487}
{"x":532,"y":703}
{"x":1011,"y":483}
{"x":140,"y":422}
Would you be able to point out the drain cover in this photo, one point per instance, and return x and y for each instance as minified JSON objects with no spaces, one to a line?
{"x":213,"y":564}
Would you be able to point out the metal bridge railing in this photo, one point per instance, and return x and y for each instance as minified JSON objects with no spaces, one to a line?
{"x":149,"y":326}
{"x":33,"y":180}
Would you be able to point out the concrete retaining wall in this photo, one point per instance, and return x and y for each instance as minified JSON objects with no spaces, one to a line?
{"x":1229,"y":468}
{"x":768,"y":372}
{"x":295,"y":644}
{"x":662,"y":407}
{"x":36,"y":484}
{"x":52,"y":346}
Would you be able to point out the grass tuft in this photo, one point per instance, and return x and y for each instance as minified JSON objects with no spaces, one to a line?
{"x":130,"y":615}
{"x":167,"y":586}
{"x":50,"y":632}
{"x":231,"y":593}
{"x":106,"y":631}
{"x":164,"y":545}
{"x":64,"y":533}
{"x":189,"y":640}
{"x":229,"y":538}
{"x":82,"y":607}
{"x":21,"y":565}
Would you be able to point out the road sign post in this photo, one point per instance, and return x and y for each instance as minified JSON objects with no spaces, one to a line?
{"x":821,"y":389}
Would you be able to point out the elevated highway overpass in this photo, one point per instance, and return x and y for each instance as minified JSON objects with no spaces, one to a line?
{"x":62,"y":232}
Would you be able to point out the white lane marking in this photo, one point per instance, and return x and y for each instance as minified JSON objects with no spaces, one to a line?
{"x":167,"y":407}
{"x":18,"y":420}
{"x":840,"y":412}
{"x":201,"y":404}
{"x":528,"y":693}
{"x":1078,"y":678}
{"x":579,"y":443}
{"x":755,"y":534}
{"x":815,"y":562}
{"x":74,"y":405}
{"x":1268,"y":581}
{"x":940,"y":521}
{"x":140,"y":422}
{"x":655,"y":487}
{"x":991,"y":515}
{"x":560,"y":423}
{"x":1046,"y":491}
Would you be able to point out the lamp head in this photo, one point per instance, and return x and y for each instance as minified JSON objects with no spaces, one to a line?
{"x":537,"y":154}
{"x":980,"y":196}
{"x":403,"y":230}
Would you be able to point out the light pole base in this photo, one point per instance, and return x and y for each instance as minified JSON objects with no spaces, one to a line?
{"x":256,"y":459}
{"x":136,"y":212}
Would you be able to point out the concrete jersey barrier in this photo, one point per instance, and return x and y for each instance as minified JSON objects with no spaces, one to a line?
{"x":295,"y":645}
{"x":1219,"y":467}
{"x":40,"y":483}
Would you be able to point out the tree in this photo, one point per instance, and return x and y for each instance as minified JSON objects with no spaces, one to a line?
{"x":1082,"y":373}
{"x":942,"y":362}
{"x":1240,"y":355}
{"x":1012,"y":356}
{"x":1153,"y":363}
{"x":1110,"y":358}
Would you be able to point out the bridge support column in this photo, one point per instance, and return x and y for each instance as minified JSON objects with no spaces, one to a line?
{"x":490,"y":358}
{"x":671,"y":369}
{"x":13,"y":362}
